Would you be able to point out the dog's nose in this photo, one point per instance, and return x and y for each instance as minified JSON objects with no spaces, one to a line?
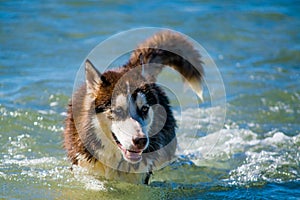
{"x":139,"y":142}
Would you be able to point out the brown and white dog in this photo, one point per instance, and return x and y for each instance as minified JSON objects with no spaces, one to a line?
{"x":120,"y":124}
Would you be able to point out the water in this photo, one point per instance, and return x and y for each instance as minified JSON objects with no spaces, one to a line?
{"x":254,"y":44}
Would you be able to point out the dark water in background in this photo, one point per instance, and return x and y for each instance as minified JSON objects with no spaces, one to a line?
{"x":254,"y":44}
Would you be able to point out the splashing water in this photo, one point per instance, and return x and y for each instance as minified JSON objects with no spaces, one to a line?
{"x":255,"y":155}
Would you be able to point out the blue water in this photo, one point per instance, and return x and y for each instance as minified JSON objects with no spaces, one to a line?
{"x":256,"y":46}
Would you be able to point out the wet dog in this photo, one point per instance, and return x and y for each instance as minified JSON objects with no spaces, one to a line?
{"x":120,"y":124}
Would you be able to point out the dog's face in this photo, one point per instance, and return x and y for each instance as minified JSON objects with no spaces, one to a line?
{"x":124,"y":111}
{"x":131,"y":118}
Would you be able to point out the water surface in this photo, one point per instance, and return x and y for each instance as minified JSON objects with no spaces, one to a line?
{"x":254,"y":44}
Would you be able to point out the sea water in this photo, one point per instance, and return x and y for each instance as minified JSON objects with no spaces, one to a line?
{"x":255,"y":45}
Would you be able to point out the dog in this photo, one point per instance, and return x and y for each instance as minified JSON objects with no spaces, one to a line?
{"x":119,"y":124}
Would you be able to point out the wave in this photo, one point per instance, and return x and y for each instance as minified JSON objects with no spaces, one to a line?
{"x":247,"y":156}
{"x":230,"y":156}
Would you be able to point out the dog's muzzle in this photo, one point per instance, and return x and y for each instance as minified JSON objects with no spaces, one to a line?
{"x":133,"y":154}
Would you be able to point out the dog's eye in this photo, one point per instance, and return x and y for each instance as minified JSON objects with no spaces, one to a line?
{"x":145,"y":110}
{"x":119,"y":112}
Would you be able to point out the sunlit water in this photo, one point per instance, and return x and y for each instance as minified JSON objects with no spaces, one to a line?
{"x":256,"y":155}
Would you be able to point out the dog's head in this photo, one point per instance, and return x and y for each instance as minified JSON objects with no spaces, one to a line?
{"x":126,"y":109}
{"x":130,"y":121}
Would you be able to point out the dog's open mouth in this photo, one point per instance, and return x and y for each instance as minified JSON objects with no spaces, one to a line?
{"x":132,"y":156}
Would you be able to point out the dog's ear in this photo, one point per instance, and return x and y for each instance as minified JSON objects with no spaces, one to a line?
{"x":92,"y":78}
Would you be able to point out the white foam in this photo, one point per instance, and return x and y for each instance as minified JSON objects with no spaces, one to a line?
{"x":30,"y":162}
{"x":3,"y":175}
{"x":268,"y":161}
{"x":249,"y":158}
{"x":90,"y":182}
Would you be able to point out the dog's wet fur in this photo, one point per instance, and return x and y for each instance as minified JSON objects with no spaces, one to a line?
{"x":119,"y":124}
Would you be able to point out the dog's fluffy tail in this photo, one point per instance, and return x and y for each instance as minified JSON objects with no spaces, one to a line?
{"x":172,"y":49}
